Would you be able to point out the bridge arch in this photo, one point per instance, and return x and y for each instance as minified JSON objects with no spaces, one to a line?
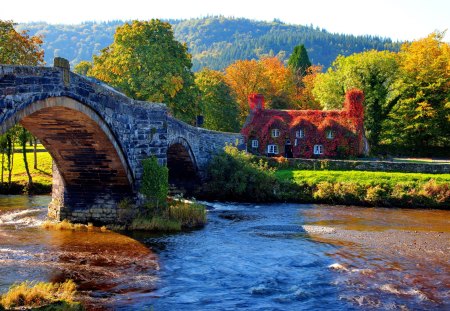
{"x":89,"y":164}
{"x":182,"y":164}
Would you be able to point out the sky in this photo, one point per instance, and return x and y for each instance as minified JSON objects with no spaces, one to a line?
{"x":396,"y":19}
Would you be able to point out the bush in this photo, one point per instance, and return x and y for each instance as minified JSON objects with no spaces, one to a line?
{"x":239,"y":176}
{"x":155,"y":183}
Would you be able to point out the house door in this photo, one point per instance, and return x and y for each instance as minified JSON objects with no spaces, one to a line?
{"x":288,"y":149}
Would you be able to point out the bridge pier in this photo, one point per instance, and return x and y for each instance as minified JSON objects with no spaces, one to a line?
{"x":84,"y":205}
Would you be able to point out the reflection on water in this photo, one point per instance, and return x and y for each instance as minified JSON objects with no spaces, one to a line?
{"x":248,"y":257}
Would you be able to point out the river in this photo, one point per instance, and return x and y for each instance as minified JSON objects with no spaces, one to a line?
{"x":248,"y":257}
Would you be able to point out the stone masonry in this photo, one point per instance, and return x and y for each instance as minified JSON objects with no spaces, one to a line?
{"x":97,"y":137}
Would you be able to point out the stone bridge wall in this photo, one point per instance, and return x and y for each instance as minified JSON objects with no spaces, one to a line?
{"x":202,"y":142}
{"x":97,"y":137}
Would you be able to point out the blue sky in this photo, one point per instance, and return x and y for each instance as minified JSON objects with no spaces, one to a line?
{"x":397,"y":19}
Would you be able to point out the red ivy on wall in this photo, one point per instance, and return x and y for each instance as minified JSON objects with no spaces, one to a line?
{"x":346,"y":126}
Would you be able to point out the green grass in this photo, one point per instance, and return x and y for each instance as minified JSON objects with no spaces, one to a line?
{"x":42,"y":175}
{"x":359,"y":177}
{"x":54,"y":296}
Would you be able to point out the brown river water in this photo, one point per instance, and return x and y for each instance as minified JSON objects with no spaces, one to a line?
{"x":248,"y":257}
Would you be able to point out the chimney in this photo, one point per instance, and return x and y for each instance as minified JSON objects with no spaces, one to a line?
{"x":256,"y":102}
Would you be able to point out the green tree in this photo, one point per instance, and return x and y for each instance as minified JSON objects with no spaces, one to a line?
{"x":83,"y":67}
{"x":299,"y":60}
{"x":219,"y":106}
{"x":422,"y":118}
{"x":147,"y":63}
{"x":375,"y":73}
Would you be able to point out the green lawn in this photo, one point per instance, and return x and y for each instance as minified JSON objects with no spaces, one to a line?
{"x":359,"y":177}
{"x":43,"y":173}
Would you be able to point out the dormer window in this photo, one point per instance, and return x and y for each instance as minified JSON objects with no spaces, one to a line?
{"x":330,"y":134}
{"x":300,"y":133}
{"x":275,"y":133}
{"x":255,"y":143}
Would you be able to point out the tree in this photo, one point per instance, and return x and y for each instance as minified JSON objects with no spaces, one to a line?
{"x":245,"y":77}
{"x":422,"y":118}
{"x":147,"y":63}
{"x":83,"y":67}
{"x":373,"y":72}
{"x":218,"y":105}
{"x":305,"y":98}
{"x":299,"y":60}
{"x":267,"y":76}
{"x":18,"y":48}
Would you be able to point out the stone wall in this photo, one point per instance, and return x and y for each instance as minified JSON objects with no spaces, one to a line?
{"x":203,"y":143}
{"x":362,"y":165}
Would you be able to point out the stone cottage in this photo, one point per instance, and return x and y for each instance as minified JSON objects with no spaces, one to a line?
{"x":306,"y":133}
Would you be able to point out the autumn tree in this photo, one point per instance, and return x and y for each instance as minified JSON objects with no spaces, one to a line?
{"x":18,"y":48}
{"x":374,"y":72}
{"x":83,"y":67}
{"x":305,"y":98}
{"x":267,"y":76}
{"x":147,"y":63}
{"x":422,"y":118}
{"x":218,"y":105}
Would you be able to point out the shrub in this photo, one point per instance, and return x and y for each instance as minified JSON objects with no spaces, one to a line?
{"x":190,"y":215}
{"x":239,"y":176}
{"x":376,"y":195}
{"x":155,"y":183}
{"x":440,"y":193}
{"x":155,"y":223}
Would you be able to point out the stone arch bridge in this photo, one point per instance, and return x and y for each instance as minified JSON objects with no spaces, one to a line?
{"x":98,"y":138}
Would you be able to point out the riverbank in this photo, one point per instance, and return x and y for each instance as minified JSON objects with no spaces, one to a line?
{"x":237,"y":176}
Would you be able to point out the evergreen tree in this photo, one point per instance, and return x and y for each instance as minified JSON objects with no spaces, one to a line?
{"x":299,"y":60}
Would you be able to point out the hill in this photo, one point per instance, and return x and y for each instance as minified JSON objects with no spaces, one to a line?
{"x":214,"y":42}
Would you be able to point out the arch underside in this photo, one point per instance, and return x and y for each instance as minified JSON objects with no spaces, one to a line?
{"x":87,"y":160}
{"x":183,"y":172}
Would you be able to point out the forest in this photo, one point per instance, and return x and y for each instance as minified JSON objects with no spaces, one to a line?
{"x":213,"y":42}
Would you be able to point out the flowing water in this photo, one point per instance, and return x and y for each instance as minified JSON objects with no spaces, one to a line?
{"x":248,"y":257}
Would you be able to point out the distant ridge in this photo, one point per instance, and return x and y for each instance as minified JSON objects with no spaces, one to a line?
{"x":214,"y":42}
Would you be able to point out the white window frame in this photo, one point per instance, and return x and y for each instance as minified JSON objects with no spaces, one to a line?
{"x":275,"y":133}
{"x":318,"y":149}
{"x":272,"y":149}
{"x":330,"y":134}
{"x":300,"y":133}
{"x":255,"y":143}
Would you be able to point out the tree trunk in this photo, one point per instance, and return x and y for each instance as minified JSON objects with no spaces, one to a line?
{"x":35,"y":165}
{"x":10,"y":157}
{"x":23,"y":140}
{"x":3,"y":161}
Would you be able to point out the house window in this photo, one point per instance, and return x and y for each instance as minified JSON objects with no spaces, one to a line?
{"x":255,"y":143}
{"x":272,"y":149}
{"x":300,"y":133}
{"x":318,"y":149}
{"x":330,"y":134}
{"x":275,"y":133}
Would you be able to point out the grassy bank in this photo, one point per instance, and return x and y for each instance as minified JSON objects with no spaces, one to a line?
{"x":237,"y":176}
{"x":41,"y":296}
{"x":42,"y":176}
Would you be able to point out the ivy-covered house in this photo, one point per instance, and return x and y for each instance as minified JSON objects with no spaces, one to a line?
{"x":306,"y":133}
